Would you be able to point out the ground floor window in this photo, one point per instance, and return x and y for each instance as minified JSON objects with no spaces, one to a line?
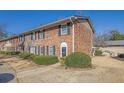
{"x":42,"y":50}
{"x":51,"y":50}
{"x":32,"y":49}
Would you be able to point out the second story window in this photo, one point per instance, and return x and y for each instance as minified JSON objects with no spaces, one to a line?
{"x":21,"y":38}
{"x":64,"y":29}
{"x":41,"y":35}
{"x":32,"y":36}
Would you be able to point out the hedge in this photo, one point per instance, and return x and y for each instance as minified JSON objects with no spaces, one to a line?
{"x":78,"y":60}
{"x":10,"y":52}
{"x":26,"y":55}
{"x":45,"y":60}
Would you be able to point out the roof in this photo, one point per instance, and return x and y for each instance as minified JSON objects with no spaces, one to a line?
{"x":68,"y":19}
{"x":115,"y":43}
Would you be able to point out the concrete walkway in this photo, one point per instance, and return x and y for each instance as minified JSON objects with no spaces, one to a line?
{"x":7,"y":74}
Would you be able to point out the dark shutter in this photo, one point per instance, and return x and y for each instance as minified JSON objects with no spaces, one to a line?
{"x":35,"y":49}
{"x":38,"y":50}
{"x":43,"y":50}
{"x":59,"y":30}
{"x":54,"y":50}
{"x":35,"y":34}
{"x":38,"y":35}
{"x":47,"y":50}
{"x":68,"y":25}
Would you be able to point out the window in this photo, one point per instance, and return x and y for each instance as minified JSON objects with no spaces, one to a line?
{"x":64,"y":29}
{"x":51,"y":50}
{"x":42,"y":50}
{"x":21,"y":38}
{"x":41,"y":35}
{"x":33,"y":49}
{"x":32,"y":36}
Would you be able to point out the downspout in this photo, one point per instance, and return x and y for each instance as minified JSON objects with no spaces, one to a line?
{"x":72,"y":35}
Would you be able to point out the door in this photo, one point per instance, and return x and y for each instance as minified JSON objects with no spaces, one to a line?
{"x":63,"y":49}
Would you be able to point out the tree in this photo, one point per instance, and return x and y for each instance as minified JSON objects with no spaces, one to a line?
{"x":3,"y":33}
{"x":116,"y":35}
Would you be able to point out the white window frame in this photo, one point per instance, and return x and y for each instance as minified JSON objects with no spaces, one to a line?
{"x":64,"y":29}
{"x":41,"y":35}
{"x":32,"y":49}
{"x":63,"y":44}
{"x":33,"y":36}
{"x":51,"y":52}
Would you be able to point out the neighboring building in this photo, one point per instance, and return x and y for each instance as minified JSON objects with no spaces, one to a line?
{"x":72,"y":34}
{"x":115,"y":46}
{"x":115,"y":43}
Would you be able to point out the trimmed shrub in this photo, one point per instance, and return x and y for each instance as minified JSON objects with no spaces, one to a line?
{"x":78,"y":60}
{"x":45,"y":60}
{"x":26,"y":55}
{"x":15,"y":53}
{"x":121,"y":55}
{"x":9,"y":53}
{"x":98,"y":52}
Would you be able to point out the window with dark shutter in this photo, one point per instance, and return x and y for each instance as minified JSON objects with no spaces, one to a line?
{"x":31,"y":36}
{"x":42,"y":35}
{"x":64,"y":29}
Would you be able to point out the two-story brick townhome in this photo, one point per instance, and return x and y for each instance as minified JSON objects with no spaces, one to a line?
{"x":62,"y":37}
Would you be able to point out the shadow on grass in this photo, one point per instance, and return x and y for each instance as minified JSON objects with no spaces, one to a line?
{"x":117,"y":58}
{"x":6,"y":77}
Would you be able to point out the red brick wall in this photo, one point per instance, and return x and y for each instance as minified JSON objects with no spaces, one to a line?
{"x":83,"y":37}
{"x":52,"y":38}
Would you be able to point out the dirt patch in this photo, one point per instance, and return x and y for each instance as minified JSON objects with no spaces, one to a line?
{"x":104,"y":70}
{"x":19,"y":64}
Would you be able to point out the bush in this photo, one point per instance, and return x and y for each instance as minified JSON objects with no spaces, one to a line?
{"x":78,"y":59}
{"x":45,"y":60}
{"x":62,"y":61}
{"x":9,"y":52}
{"x":98,"y":52}
{"x":26,"y":55}
{"x":121,"y":55}
{"x":15,"y":53}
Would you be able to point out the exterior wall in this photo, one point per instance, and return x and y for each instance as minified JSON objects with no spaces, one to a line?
{"x":83,"y":37}
{"x":51,"y":38}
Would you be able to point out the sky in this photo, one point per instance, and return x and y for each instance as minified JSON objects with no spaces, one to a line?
{"x":18,"y":21}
